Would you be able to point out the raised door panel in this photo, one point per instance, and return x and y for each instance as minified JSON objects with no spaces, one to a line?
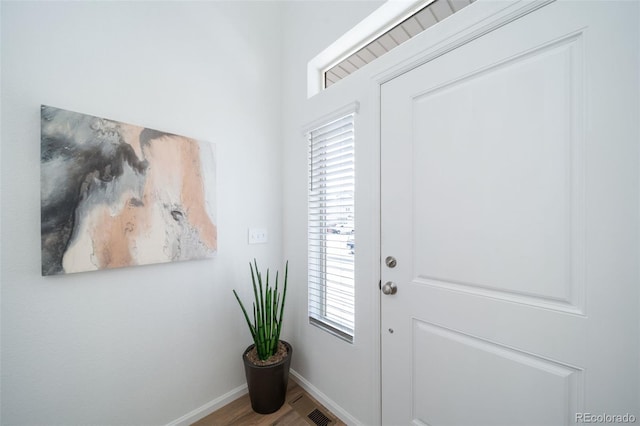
{"x":498,"y":179}
{"x":459,"y":367}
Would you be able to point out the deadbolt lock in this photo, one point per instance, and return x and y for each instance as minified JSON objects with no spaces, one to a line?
{"x":390,"y":261}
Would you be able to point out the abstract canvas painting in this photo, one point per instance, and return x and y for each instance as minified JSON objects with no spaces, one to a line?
{"x":115,"y":195}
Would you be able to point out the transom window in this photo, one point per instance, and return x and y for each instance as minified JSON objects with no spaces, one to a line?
{"x":427,"y":15}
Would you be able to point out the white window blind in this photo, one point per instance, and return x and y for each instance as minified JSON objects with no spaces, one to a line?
{"x":331,"y":226}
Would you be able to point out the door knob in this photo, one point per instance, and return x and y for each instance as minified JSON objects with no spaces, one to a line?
{"x":389,"y":288}
{"x":390,"y":261}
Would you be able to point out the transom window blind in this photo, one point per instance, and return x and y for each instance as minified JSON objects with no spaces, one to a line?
{"x":331,"y":230}
{"x":430,"y":13}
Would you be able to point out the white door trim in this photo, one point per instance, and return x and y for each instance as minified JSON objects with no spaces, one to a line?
{"x":478,"y":23}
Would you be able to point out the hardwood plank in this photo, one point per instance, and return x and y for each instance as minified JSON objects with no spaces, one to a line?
{"x":239,"y":412}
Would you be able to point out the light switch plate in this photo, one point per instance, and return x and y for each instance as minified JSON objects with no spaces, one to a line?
{"x":258,"y":235}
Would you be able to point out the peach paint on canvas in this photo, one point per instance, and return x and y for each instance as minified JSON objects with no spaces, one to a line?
{"x":116,"y":195}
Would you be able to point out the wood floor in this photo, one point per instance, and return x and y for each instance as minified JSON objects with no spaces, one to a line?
{"x":297,"y":406}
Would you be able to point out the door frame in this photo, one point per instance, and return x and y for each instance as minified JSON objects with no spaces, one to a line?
{"x":364,"y":87}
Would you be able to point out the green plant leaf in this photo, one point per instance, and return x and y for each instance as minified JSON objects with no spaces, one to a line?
{"x":268,"y":310}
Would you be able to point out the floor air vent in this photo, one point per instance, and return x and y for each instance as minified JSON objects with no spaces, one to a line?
{"x":319,"y":418}
{"x":311,"y":412}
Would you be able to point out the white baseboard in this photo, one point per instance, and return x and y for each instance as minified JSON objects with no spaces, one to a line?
{"x":210,"y":407}
{"x":325,"y":400}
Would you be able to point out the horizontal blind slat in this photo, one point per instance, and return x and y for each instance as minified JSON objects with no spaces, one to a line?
{"x":331,"y":144}
{"x":319,"y":162}
{"x":343,"y":167}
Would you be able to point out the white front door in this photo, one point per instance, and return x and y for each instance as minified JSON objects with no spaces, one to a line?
{"x":509,"y":196}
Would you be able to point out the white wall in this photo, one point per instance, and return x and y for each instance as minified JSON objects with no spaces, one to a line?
{"x":347,"y":374}
{"x":142,"y":345}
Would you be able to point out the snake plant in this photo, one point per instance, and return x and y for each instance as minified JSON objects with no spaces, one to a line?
{"x":267,"y":312}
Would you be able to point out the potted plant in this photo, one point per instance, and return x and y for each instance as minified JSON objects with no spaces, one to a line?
{"x":267,"y":360}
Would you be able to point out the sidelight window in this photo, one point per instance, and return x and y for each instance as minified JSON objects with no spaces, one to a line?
{"x":331,"y":231}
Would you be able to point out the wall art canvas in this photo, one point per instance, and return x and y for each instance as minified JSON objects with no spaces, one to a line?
{"x":115,"y":195}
